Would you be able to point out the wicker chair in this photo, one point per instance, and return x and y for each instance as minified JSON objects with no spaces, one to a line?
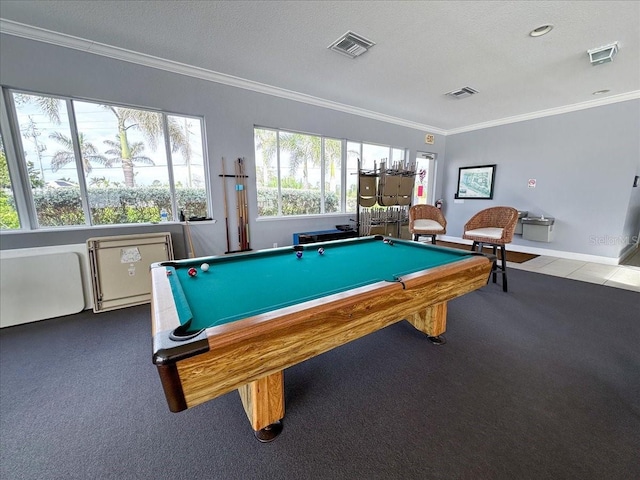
{"x":493,"y":227}
{"x":426,"y":221}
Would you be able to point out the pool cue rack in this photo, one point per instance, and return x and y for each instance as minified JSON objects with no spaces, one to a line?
{"x":241,"y":202}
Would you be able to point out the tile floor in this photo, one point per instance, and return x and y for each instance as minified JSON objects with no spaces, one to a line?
{"x":618,"y":276}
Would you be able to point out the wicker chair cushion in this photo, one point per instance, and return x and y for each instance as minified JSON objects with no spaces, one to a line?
{"x":423,"y":225}
{"x":487,"y":232}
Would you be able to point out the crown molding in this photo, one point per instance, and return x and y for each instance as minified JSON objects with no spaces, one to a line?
{"x":623,"y":97}
{"x":63,"y":40}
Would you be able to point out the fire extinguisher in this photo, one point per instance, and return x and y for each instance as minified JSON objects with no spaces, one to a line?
{"x":439,"y":204}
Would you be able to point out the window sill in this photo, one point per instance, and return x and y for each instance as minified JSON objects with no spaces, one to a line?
{"x":304,"y":217}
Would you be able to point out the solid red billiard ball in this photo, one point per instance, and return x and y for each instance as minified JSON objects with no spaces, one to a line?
{"x":192,"y":272}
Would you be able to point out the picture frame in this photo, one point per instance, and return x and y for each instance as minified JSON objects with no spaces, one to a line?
{"x":476,"y":182}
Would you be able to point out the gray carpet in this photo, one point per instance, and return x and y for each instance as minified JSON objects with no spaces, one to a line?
{"x":542,"y":382}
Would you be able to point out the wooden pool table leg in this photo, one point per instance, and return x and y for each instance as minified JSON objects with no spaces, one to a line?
{"x":432,"y":321}
{"x":263,"y":402}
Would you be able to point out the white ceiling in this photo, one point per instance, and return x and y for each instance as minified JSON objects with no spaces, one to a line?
{"x":423,"y":50}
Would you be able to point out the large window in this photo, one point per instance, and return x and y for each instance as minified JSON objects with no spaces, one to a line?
{"x":297,"y":174}
{"x":303,"y":174}
{"x":99,"y":164}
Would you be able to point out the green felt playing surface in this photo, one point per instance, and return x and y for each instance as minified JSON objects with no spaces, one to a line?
{"x":241,"y":286}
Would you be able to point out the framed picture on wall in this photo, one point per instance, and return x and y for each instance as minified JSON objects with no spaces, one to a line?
{"x":476,"y":182}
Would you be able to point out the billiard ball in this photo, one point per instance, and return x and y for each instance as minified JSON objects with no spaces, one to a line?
{"x":192,"y":272}
{"x":204,"y":267}
{"x":390,"y":242}
{"x":299,"y":254}
{"x":321,"y":251}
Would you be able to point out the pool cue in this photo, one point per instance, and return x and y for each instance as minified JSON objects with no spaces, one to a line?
{"x":238,"y":200}
{"x":226,"y":207}
{"x":191,"y":253}
{"x":242,"y":208}
{"x":245,"y":203}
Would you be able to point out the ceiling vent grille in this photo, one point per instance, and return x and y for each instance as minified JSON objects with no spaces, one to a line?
{"x":351,"y":44}
{"x":464,"y":92}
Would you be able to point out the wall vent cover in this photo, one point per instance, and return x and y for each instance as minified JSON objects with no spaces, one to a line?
{"x":351,"y":44}
{"x":464,"y":92}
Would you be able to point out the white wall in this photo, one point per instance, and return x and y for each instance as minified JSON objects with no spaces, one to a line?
{"x":584,"y":163}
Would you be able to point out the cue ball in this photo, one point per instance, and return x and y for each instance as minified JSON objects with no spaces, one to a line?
{"x":321,"y":251}
{"x":204,"y":267}
{"x":299,"y":254}
{"x":192,"y":272}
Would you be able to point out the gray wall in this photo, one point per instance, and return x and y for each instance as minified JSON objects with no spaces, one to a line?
{"x":584,"y":163}
{"x":230,"y":114}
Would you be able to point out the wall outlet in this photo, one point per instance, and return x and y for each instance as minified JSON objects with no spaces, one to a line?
{"x":275,"y":245}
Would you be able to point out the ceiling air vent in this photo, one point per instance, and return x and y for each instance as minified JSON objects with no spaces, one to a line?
{"x":464,"y":92}
{"x":351,"y":45}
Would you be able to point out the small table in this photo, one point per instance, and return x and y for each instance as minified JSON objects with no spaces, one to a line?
{"x":240,"y":324}
{"x":322,"y":236}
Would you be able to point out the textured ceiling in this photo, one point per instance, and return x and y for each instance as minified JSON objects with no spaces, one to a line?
{"x":423,"y":49}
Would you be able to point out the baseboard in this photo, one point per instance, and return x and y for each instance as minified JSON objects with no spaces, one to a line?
{"x":544,"y":252}
{"x":629,"y":252}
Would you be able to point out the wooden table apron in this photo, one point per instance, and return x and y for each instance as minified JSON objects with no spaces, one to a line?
{"x":251,"y":354}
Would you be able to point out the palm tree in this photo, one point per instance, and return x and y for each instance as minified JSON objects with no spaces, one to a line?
{"x":151,"y":126}
{"x":103,"y":182}
{"x":266,"y":140}
{"x":88,"y":152}
{"x":48,"y":105}
{"x":127,"y":155}
{"x":304,"y":150}
{"x":149,"y":123}
{"x":333,"y":157}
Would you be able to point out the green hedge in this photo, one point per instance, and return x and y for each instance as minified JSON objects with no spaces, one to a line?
{"x":8,"y":215}
{"x":62,"y":206}
{"x":295,"y":202}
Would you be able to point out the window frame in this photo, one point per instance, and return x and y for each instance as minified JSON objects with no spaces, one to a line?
{"x":344,"y":170}
{"x":19,"y":176}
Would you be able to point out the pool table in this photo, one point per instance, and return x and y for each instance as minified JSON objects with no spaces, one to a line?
{"x":242,"y":322}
